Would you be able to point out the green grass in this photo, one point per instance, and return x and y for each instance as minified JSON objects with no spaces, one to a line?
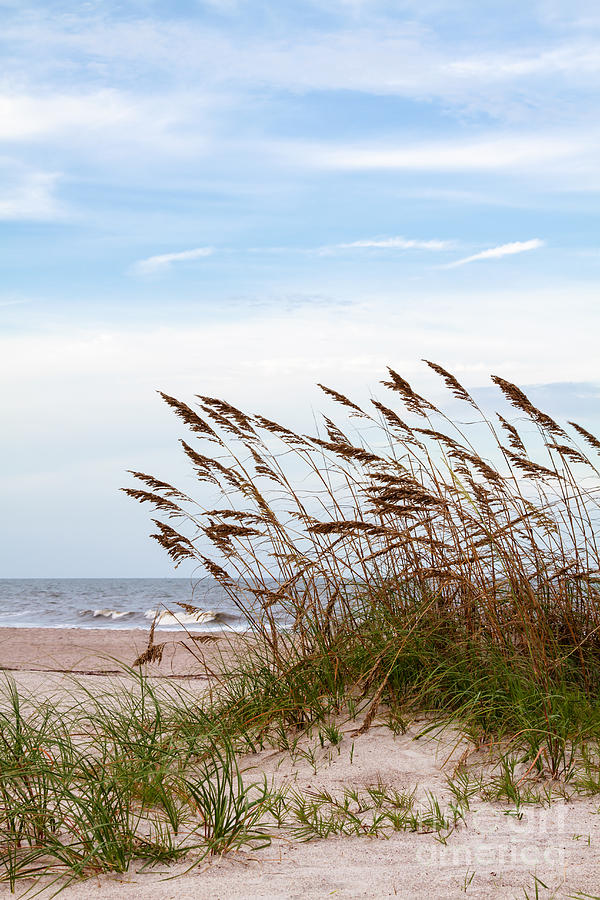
{"x":113,"y":779}
{"x":139,"y":774}
{"x":415,"y":571}
{"x":418,"y":577}
{"x":143,"y":774}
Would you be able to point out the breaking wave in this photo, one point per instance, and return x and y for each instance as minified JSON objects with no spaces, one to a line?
{"x":117,"y":603}
{"x":106,"y":613}
{"x":200,"y":617}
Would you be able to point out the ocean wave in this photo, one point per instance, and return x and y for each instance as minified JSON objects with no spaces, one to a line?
{"x":106,"y":613}
{"x":200,"y":617}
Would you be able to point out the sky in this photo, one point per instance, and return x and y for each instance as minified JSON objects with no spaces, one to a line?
{"x":240,"y":198}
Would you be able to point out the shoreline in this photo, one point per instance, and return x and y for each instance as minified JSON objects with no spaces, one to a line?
{"x":160,"y":629}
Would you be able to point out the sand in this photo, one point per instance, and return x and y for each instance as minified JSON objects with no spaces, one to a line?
{"x":492,"y":855}
{"x":92,"y":650}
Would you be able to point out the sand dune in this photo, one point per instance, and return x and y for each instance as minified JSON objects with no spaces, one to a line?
{"x":491,"y":855}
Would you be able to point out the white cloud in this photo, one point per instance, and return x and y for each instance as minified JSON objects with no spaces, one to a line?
{"x":155,"y":263}
{"x":575,"y":60}
{"x":108,"y":124}
{"x":499,"y":252}
{"x":248,"y":359}
{"x":171,"y":86}
{"x":395,"y":243}
{"x":387,"y":56}
{"x":514,"y":152}
{"x":29,"y":196}
{"x":31,"y":116}
{"x":164,"y":260}
{"x":267,"y":364}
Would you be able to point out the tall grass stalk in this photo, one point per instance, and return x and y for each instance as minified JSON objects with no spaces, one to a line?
{"x":395,"y":562}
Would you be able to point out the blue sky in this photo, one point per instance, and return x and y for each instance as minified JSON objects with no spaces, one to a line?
{"x":244,"y":198}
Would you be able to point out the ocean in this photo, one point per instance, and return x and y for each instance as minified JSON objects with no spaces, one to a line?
{"x":116,"y":603}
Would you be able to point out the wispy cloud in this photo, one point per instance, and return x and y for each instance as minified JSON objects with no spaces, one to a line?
{"x":13,"y":302}
{"x":389,"y":55}
{"x":498,"y":252}
{"x":164,"y":260}
{"x":486,"y":154}
{"x":393,"y":243}
{"x":33,"y":116}
{"x":106,"y":125}
{"x":28,"y":196}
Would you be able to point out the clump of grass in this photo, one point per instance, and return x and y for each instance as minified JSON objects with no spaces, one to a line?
{"x":113,"y":779}
{"x":231,"y":810}
{"x":407,"y":570}
{"x":140,"y":774}
{"x":373,"y":812}
{"x":60,"y":809}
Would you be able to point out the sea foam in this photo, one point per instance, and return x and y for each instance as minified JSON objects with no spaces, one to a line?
{"x":164,"y":617}
{"x":106,"y":613}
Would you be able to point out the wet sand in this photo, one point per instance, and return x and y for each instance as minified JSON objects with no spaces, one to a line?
{"x":91,"y":651}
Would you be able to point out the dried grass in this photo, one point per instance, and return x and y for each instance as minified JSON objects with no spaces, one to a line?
{"x":417,"y":528}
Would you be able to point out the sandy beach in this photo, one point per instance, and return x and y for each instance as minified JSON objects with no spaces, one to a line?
{"x":491,"y":854}
{"x":93,"y":650}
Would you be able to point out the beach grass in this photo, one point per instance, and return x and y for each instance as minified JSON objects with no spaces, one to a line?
{"x":136,"y":773}
{"x":91,"y":786}
{"x":410,"y":568}
{"x":387,"y":570}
